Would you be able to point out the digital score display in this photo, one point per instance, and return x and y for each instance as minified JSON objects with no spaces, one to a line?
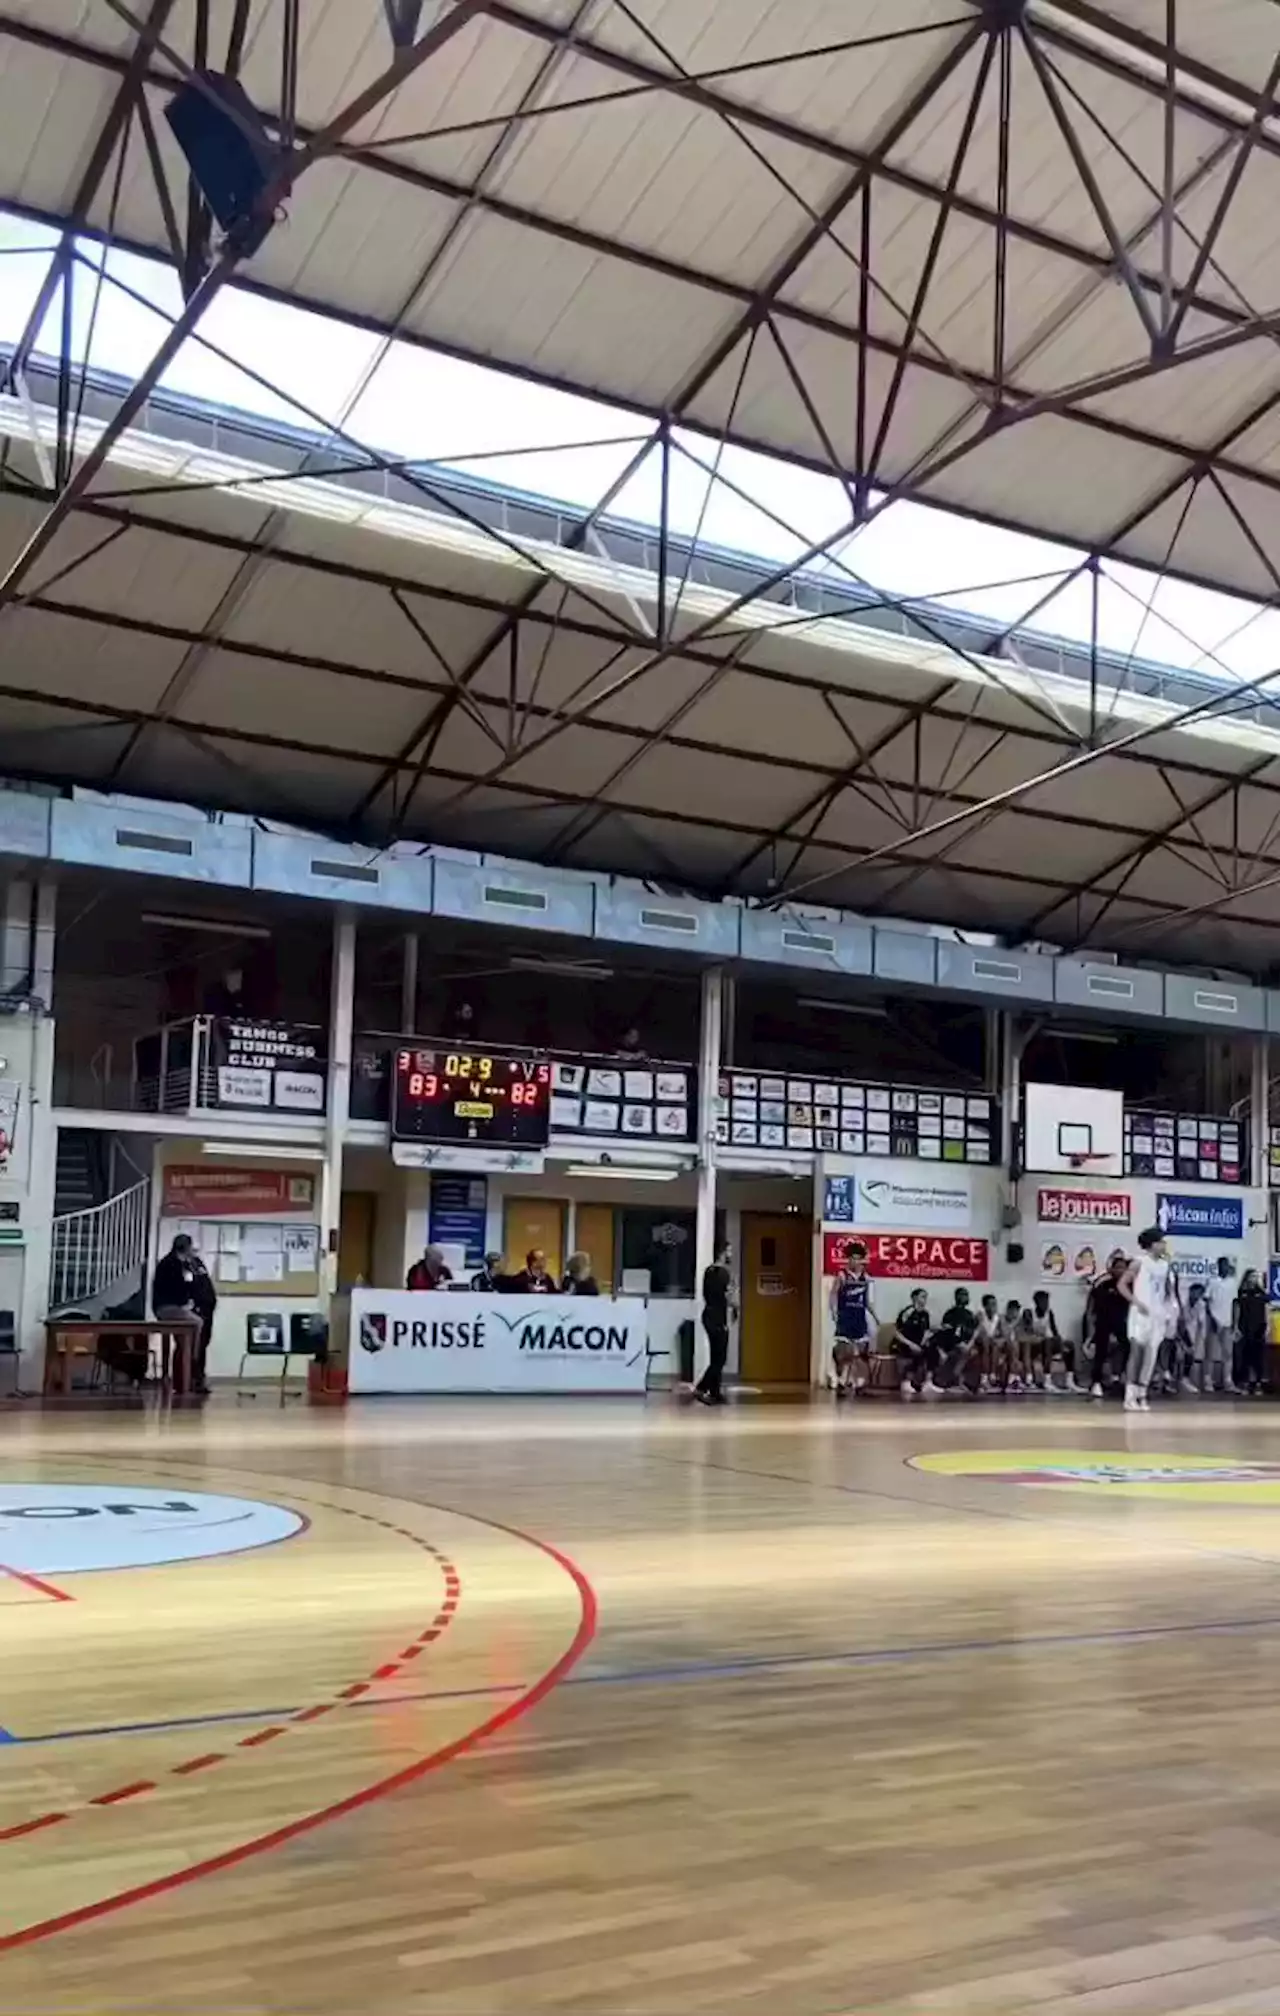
{"x":461,"y":1095}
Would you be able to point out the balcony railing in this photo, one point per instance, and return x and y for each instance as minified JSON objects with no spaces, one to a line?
{"x":223,"y":1063}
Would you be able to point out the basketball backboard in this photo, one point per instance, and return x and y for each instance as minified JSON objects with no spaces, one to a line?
{"x":1072,"y":1129}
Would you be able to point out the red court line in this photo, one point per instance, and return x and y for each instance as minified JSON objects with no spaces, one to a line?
{"x":34,"y":1582}
{"x":511,"y":1711}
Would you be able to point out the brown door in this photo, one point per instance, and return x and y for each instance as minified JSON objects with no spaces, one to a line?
{"x":593,"y":1233}
{"x":776,"y":1287}
{"x":533,"y":1221}
{"x":357,"y":1229}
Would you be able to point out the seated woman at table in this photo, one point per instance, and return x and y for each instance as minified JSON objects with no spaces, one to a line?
{"x":578,"y":1278}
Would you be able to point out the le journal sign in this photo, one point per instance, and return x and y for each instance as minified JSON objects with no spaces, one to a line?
{"x":1083,"y":1207}
{"x":911,"y":1256}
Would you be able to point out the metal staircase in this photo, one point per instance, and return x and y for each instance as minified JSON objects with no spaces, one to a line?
{"x":100,"y":1229}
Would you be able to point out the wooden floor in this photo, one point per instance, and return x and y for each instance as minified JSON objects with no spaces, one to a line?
{"x":932,"y":1709}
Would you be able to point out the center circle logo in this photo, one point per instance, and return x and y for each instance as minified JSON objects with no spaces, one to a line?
{"x":67,"y":1529}
{"x":1214,"y":1480}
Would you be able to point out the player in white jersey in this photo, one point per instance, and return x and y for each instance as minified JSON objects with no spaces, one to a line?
{"x":1145,"y":1288}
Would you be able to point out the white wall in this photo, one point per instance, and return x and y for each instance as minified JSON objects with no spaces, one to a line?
{"x":1068,"y":1295}
{"x":987,"y":1190}
{"x":990,"y":1190}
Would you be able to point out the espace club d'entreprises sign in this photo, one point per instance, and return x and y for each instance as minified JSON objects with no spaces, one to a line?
{"x":464,"y":1343}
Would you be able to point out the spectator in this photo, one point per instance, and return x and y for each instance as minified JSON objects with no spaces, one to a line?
{"x":226,"y":996}
{"x":631,"y":1047}
{"x":429,"y":1272}
{"x":1196,"y":1327}
{"x":490,"y":1280}
{"x":534,"y":1280}
{"x":578,"y":1278}
{"x":463,"y":1024}
{"x":1220,"y":1342}
{"x":1251,"y":1322}
{"x":911,"y":1346}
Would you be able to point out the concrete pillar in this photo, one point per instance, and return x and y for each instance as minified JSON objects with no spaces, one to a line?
{"x":342,"y":988}
{"x":17,"y":900}
{"x":409,"y":984}
{"x":709,"y":1044}
{"x":1260,"y":1114}
{"x":28,"y":914}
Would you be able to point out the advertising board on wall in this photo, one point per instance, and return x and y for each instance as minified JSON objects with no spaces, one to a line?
{"x":266,"y":1066}
{"x":467,"y":1343}
{"x":929,"y":1203}
{"x":458,"y":1214}
{"x":911,"y":1256}
{"x":1199,"y":1217}
{"x":843,"y":1117}
{"x":197,"y":1191}
{"x":1084,"y":1207}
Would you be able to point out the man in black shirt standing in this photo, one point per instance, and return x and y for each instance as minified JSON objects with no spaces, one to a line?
{"x":717,"y":1307}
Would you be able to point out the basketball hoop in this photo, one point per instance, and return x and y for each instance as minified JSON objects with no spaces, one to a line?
{"x":1082,"y":1160}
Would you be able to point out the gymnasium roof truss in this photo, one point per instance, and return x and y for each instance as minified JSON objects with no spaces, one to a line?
{"x":1019,"y":259}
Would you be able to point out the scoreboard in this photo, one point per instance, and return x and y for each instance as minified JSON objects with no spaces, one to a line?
{"x":469,"y":1095}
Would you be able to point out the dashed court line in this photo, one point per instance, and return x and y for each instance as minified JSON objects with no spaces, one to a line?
{"x":208,"y":1760}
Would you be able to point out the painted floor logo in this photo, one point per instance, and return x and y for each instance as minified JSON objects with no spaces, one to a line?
{"x":69,"y":1529}
{"x":1216,"y":1480}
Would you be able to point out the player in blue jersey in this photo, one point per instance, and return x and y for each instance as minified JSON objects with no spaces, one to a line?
{"x":854,"y":1321}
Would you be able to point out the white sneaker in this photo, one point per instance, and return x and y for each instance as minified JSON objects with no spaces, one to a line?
{"x":908,"y":1390}
{"x":1095,"y":1391}
{"x":1073,"y":1387}
{"x":930,"y":1391}
{"x":1189,"y":1386}
{"x":1144,"y":1404}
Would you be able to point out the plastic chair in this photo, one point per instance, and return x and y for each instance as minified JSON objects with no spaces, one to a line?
{"x":264,"y":1337}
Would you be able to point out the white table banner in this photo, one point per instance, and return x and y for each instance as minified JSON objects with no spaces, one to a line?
{"x":459,"y":1342}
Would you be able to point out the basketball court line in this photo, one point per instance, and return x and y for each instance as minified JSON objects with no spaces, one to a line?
{"x":696,"y":1670}
{"x":512,"y":1711}
{"x":36,"y":1582}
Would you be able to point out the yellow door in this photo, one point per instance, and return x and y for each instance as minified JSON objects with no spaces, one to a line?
{"x":357,"y":1227}
{"x":593,"y":1233}
{"x":776,"y":1262}
{"x":533,"y":1221}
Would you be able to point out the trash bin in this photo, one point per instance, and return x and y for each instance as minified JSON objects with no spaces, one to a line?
{"x":685,"y":1335}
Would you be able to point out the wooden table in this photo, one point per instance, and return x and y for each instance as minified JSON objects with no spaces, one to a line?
{"x":66,"y":1338}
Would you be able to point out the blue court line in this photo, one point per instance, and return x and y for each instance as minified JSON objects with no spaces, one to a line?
{"x":732,"y":1669}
